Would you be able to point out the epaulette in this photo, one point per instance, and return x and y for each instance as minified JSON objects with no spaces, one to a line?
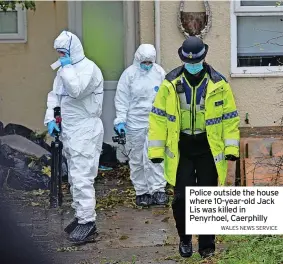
{"x":174,"y":73}
{"x":215,"y":76}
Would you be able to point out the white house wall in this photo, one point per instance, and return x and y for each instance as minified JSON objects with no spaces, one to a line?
{"x":256,"y":96}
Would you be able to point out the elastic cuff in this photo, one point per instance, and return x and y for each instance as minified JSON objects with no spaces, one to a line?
{"x":232,"y":150}
{"x":156,"y":153}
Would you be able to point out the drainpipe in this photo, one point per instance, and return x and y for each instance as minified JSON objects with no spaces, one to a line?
{"x":157,"y":29}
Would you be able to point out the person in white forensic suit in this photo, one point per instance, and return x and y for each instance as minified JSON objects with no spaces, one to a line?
{"x":78,"y":90}
{"x":136,"y":90}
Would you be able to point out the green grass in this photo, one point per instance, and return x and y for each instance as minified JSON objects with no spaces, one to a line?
{"x":241,"y":250}
{"x":251,"y":250}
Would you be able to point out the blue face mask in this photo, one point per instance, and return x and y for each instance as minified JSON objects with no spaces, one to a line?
{"x":146,"y":67}
{"x":194,"y":68}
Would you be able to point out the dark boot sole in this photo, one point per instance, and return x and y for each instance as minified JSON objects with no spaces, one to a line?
{"x":90,"y":239}
{"x":185,"y":255}
{"x":143,"y":205}
{"x":160,"y":205}
{"x":207,"y":256}
{"x":154,"y":205}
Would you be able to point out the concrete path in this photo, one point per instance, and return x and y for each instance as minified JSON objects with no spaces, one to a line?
{"x":126,"y":235}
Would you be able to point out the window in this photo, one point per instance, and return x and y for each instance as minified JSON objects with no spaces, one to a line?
{"x":13,"y":26}
{"x":256,"y":38}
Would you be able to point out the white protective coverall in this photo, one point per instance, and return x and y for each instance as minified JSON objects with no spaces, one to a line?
{"x":78,"y":90}
{"x":135,"y":94}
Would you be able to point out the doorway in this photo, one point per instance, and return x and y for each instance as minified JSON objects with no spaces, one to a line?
{"x":110,"y":36}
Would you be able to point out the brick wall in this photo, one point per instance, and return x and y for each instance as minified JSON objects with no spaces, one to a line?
{"x":261,"y":158}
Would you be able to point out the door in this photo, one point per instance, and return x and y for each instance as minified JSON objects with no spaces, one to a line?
{"x":108,"y":31}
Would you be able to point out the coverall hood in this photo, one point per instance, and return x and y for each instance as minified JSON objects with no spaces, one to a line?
{"x":137,"y":89}
{"x":145,"y":52}
{"x":70,"y":43}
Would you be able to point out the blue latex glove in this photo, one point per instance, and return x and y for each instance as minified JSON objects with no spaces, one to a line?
{"x":65,"y":60}
{"x":51,"y":126}
{"x":121,"y":127}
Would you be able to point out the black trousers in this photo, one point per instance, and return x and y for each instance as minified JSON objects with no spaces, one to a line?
{"x":196,"y":168}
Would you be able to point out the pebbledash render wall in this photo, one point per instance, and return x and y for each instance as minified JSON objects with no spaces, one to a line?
{"x":256,"y":96}
{"x":26,"y":76}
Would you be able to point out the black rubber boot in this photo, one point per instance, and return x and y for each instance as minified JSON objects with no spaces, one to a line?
{"x":207,"y":253}
{"x":143,"y":200}
{"x":70,"y":227}
{"x":160,"y":198}
{"x":84,"y":233}
{"x":186,"y":249}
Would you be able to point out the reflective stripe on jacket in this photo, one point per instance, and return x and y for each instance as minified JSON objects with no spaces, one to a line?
{"x":221,"y":121}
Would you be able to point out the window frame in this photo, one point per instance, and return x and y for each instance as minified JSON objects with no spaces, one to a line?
{"x":236,"y":10}
{"x":21,"y":36}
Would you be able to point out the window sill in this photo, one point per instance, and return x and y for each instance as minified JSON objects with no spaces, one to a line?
{"x":12,"y":41}
{"x":250,"y":72}
{"x":256,"y":75}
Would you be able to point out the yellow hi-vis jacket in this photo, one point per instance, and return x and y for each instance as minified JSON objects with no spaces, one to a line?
{"x":221,"y":123}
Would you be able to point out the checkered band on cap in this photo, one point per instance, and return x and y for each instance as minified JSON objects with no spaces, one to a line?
{"x":192,"y":55}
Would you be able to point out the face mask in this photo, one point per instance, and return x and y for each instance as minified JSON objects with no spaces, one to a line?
{"x":194,"y":68}
{"x":146,"y":67}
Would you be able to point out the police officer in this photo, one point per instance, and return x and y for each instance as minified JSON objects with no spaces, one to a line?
{"x":194,"y":128}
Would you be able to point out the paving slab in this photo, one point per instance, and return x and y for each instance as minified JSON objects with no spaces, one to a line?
{"x":141,"y":255}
